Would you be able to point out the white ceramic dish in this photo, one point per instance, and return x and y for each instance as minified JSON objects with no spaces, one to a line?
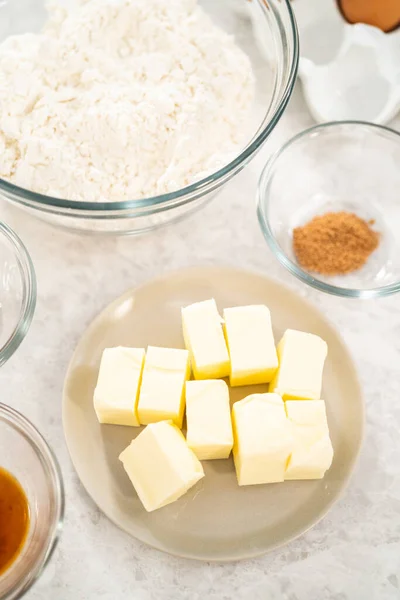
{"x":216,"y":520}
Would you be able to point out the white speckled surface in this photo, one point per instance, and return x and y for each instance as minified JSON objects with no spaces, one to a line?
{"x":353,"y":554}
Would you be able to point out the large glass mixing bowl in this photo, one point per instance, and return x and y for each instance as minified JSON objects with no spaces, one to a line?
{"x":269,"y":39}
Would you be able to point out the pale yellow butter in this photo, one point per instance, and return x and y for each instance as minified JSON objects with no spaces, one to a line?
{"x":162,"y":391}
{"x":160,"y":465}
{"x":301,"y":362}
{"x":117,"y":389}
{"x":312,"y":449}
{"x":208,"y":416}
{"x":251,"y":345}
{"x":204,"y":338}
{"x":262,"y":439}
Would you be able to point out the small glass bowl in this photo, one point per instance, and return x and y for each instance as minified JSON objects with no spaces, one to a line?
{"x":25,"y":454}
{"x":350,"y":166}
{"x":17,"y":292}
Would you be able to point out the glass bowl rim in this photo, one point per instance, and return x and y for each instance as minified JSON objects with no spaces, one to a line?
{"x":45,"y":454}
{"x":29,"y":291}
{"x":262,"y":201}
{"x":204,"y":185}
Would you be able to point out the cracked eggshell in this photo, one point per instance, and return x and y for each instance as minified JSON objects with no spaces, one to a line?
{"x":347,"y":71}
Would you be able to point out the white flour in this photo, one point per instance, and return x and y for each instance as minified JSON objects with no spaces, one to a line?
{"x":121,"y":99}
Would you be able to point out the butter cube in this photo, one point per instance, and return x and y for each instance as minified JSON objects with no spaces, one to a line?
{"x":117,"y":389}
{"x":208,"y":416}
{"x":204,"y":338}
{"x":160,"y":465}
{"x":251,"y":345}
{"x":162,"y":392}
{"x":312,"y":448}
{"x":301,"y":362}
{"x":262,"y":439}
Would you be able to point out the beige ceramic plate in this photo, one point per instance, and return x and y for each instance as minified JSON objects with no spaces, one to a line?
{"x":216,"y":520}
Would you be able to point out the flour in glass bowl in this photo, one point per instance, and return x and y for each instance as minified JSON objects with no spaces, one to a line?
{"x":121,"y":99}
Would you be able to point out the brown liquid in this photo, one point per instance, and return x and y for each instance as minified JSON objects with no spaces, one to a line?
{"x":14,"y":519}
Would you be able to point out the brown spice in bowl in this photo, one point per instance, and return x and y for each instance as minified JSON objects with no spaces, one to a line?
{"x":335,"y":243}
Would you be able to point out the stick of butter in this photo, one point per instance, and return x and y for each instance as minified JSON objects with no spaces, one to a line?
{"x":116,"y":394}
{"x":160,"y":465}
{"x":262,"y":439}
{"x":251,"y":345}
{"x":204,"y":338}
{"x":312,"y":450}
{"x":301,"y":362}
{"x":208,"y":416}
{"x":162,"y":392}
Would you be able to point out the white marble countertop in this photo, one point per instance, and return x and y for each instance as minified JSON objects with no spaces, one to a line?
{"x":354,"y":553}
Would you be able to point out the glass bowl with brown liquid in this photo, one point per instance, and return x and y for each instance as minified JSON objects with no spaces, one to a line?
{"x":31,"y":503}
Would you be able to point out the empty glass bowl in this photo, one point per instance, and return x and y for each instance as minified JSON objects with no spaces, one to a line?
{"x":273,"y":51}
{"x":349,"y":166}
{"x":17,"y":292}
{"x":25,"y":454}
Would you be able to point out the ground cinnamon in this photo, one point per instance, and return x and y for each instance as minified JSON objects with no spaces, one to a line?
{"x":335,"y":243}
